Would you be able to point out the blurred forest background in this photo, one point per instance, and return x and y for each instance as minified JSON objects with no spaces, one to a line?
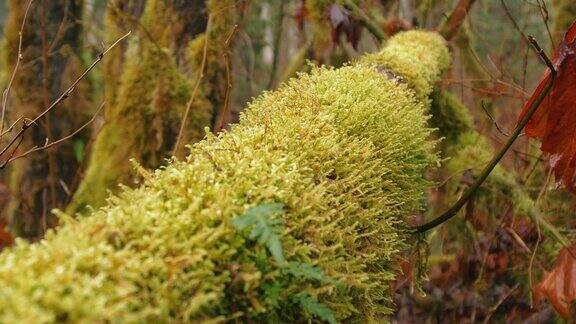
{"x":191,"y":66}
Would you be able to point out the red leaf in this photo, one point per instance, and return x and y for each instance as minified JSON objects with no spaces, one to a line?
{"x":6,"y":238}
{"x":559,"y":285}
{"x":555,"y":120}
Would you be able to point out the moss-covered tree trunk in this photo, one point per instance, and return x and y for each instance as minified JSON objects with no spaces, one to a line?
{"x":294,"y":214}
{"x":564,"y":14}
{"x":150,"y":84}
{"x":50,"y":62}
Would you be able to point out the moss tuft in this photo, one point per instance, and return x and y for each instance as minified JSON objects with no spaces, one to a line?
{"x":343,"y":151}
{"x":417,"y":57}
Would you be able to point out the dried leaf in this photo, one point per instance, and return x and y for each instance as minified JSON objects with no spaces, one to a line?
{"x":395,"y":25}
{"x":343,"y":23}
{"x":6,"y":238}
{"x":555,"y":120}
{"x":559,"y":285}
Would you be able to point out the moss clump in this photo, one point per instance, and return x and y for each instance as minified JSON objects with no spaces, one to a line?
{"x":342,"y":151}
{"x":417,"y":57}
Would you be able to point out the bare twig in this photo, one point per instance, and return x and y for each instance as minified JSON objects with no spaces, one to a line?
{"x":6,"y":92}
{"x":26,"y":124}
{"x":453,"y":210}
{"x":509,"y":14}
{"x":196,"y":86}
{"x":48,"y":144}
{"x":483,"y":105}
{"x":219,"y":124}
{"x":502,"y":299}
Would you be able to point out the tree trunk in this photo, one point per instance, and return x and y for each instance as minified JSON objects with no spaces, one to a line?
{"x":149,"y":85}
{"x":294,"y":214}
{"x":564,"y":14}
{"x":49,"y":64}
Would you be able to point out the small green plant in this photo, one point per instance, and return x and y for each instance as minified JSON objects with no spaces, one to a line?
{"x":265,"y":228}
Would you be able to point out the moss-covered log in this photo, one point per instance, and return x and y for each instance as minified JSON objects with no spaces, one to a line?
{"x":156,"y":82}
{"x":50,"y":61}
{"x":294,"y":213}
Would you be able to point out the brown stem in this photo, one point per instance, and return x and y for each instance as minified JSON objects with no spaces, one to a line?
{"x":449,"y":29}
{"x":196,"y":86}
{"x":6,"y":91}
{"x":452,"y":211}
{"x":26,"y":124}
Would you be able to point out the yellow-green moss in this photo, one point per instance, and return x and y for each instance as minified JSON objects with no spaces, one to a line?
{"x":410,"y":56}
{"x":152,"y":92}
{"x":450,"y":117}
{"x":342,"y":150}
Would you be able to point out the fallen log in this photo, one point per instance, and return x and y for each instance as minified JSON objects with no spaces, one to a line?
{"x":293,"y":214}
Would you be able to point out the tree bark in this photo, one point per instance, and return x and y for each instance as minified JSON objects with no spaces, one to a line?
{"x":150,"y":86}
{"x":49,"y":64}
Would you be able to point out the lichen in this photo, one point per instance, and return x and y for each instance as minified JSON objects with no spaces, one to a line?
{"x":342,"y":150}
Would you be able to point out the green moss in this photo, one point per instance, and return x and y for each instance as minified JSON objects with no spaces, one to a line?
{"x":153,"y":90}
{"x":343,"y":151}
{"x":411,"y":57}
{"x":450,"y":117}
{"x":465,"y":42}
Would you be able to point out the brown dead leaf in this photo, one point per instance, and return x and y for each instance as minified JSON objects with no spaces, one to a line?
{"x":559,"y":285}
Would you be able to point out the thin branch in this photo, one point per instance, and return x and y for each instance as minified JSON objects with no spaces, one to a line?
{"x":483,"y":105}
{"x":452,"y":211}
{"x":219,"y":124}
{"x":196,"y":86}
{"x":366,"y":20}
{"x":61,"y":98}
{"x":48,"y":144}
{"x":6,"y":92}
{"x":514,"y":22}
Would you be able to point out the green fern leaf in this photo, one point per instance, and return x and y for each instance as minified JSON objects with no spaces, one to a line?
{"x":315,"y":308}
{"x":265,"y":228}
{"x":307,"y":271}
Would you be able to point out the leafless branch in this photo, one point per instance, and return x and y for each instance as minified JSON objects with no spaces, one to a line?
{"x":49,"y":144}
{"x":6,"y":91}
{"x":196,"y":86}
{"x":26,"y":124}
{"x":219,"y":125}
